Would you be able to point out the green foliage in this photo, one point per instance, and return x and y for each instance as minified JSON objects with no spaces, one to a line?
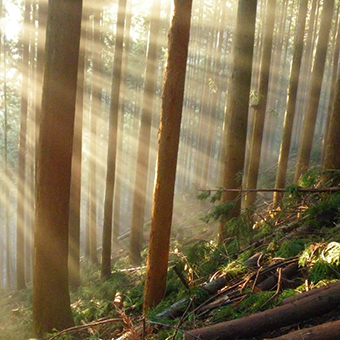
{"x":220,"y":212}
{"x":293,"y":190}
{"x":290,"y":248}
{"x":311,"y":178}
{"x":324,"y":214}
{"x":322,"y":260}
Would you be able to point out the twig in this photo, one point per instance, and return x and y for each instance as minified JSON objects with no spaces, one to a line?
{"x":181,"y":277}
{"x":278,"y":289}
{"x":256,"y":278}
{"x":182,"y":319}
{"x":82,"y":327}
{"x":170,"y":326}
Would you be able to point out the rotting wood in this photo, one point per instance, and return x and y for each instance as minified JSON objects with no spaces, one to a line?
{"x":257,"y":324}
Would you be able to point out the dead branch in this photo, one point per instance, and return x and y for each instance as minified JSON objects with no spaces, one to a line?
{"x":87,"y":326}
{"x":306,"y":190}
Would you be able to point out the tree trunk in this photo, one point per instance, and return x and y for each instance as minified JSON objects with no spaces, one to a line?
{"x":331,"y":150}
{"x":75,"y":197}
{"x":169,"y":133}
{"x":51,"y":300}
{"x":112,"y":142}
{"x":238,"y":104}
{"x":314,"y":94}
{"x":327,"y":331}
{"x":21,"y":197}
{"x":260,"y":112}
{"x":141,"y":179}
{"x":291,"y":101}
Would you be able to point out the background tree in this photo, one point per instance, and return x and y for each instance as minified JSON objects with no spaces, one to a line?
{"x":331,"y":164}
{"x":112,"y":142}
{"x":291,"y":101}
{"x":169,"y":133}
{"x":309,"y":121}
{"x":237,"y":104}
{"x":260,"y":110}
{"x":52,"y":310}
{"x":141,"y":181}
{"x":21,"y":205}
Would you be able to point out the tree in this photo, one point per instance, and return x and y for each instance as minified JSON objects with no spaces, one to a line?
{"x":51,"y":300}
{"x":112,"y":148}
{"x":75,"y":196}
{"x":21,"y":284}
{"x":260,"y":111}
{"x":237,"y":104}
{"x":309,"y":121}
{"x":139,"y":199}
{"x":169,"y":132}
{"x":291,"y":101}
{"x":331,"y":148}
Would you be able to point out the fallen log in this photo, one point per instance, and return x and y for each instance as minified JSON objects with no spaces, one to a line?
{"x":305,"y":294}
{"x":257,"y":324}
{"x":287,"y":273}
{"x":329,"y":330}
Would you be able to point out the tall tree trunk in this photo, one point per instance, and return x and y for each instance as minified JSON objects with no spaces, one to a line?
{"x":21,"y":197}
{"x":260,"y":112}
{"x":169,"y":133}
{"x":95,"y":114}
{"x":51,"y":300}
{"x":141,"y":180}
{"x":291,"y":101}
{"x":75,"y":197}
{"x":309,"y":121}
{"x":112,"y":148}
{"x":238,"y":104}
{"x":331,"y":149}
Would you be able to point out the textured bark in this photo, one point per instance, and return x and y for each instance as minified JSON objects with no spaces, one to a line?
{"x":169,"y":133}
{"x":291,"y":102}
{"x":309,"y":121}
{"x":238,"y":103}
{"x":51,"y":300}
{"x":112,"y":140}
{"x":272,"y":319}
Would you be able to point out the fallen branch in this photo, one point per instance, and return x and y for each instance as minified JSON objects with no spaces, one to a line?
{"x":257,"y":324}
{"x":308,"y":190}
{"x":87,"y":326}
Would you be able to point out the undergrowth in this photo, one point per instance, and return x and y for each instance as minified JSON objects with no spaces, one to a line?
{"x":307,"y":226}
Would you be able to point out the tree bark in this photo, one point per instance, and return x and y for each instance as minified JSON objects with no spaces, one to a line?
{"x":169,"y":133}
{"x":327,"y":331}
{"x":112,"y":141}
{"x":51,"y":300}
{"x":291,"y":101}
{"x":272,"y":319}
{"x":260,"y":112}
{"x":238,"y":103}
{"x":141,"y":180}
{"x":314,"y":94}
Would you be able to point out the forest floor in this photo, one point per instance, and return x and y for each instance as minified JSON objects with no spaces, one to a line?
{"x":270,"y":262}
